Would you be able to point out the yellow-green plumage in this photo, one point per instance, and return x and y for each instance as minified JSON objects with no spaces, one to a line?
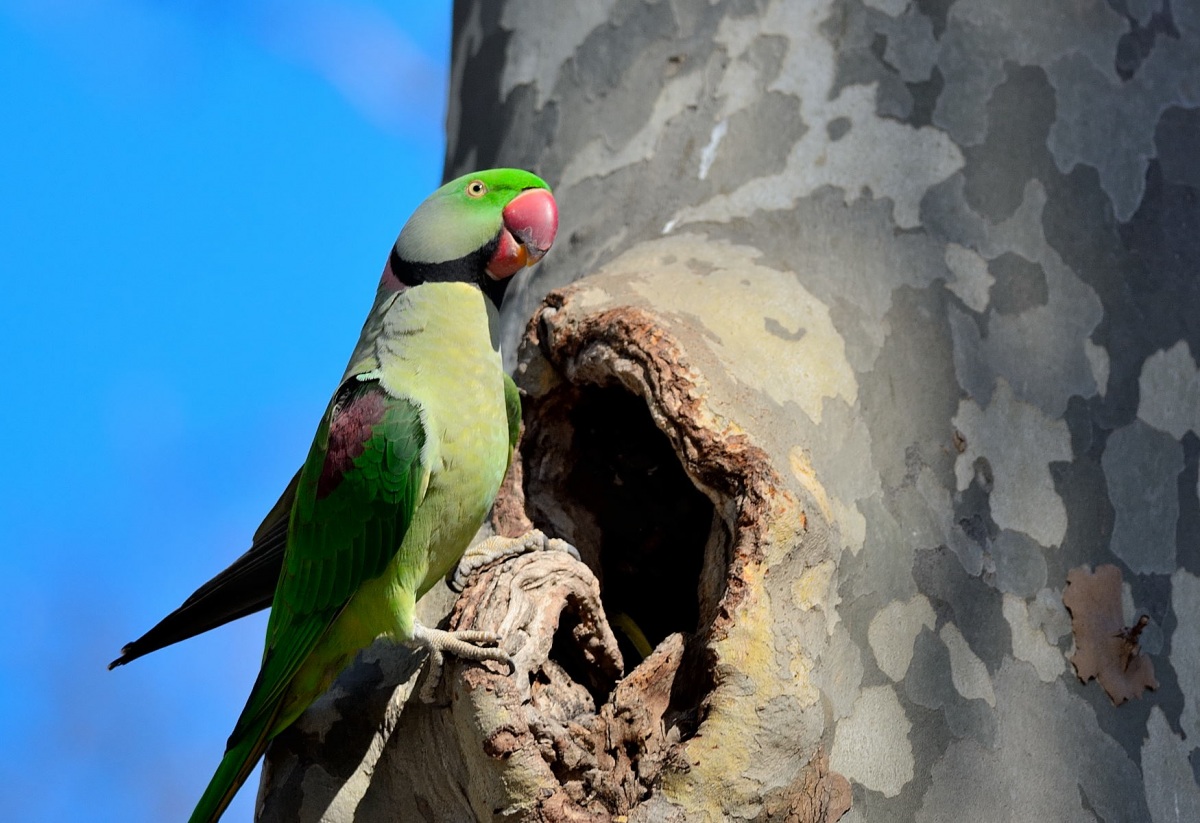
{"x":463,"y":408}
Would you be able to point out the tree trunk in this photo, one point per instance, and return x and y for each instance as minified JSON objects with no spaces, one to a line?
{"x":883,"y":346}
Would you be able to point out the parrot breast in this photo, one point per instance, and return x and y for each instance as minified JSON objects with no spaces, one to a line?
{"x":436,"y":350}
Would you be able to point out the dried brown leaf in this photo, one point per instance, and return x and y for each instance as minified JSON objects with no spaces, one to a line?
{"x":1104,"y":647}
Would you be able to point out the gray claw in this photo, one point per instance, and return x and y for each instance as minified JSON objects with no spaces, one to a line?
{"x":468,"y":645}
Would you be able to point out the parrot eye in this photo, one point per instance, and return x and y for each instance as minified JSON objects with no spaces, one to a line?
{"x":476,"y":188}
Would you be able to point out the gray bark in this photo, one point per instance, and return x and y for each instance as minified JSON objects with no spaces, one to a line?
{"x":880,"y":319}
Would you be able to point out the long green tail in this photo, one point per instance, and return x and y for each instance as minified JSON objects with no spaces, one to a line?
{"x":236,"y":765}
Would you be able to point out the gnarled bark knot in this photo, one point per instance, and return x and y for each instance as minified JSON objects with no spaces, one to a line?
{"x":564,"y":740}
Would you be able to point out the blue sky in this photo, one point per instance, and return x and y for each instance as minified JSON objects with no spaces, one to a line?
{"x":196,"y":200}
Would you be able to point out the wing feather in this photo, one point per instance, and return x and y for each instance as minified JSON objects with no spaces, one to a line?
{"x":354,"y":501}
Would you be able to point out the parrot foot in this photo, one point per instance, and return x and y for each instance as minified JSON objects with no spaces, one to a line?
{"x":469,"y":645}
{"x":498,"y":547}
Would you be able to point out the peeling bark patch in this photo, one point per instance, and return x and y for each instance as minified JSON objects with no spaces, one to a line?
{"x":1177,"y":142}
{"x":1136,"y":45}
{"x":893,"y":630}
{"x":1185,"y":648}
{"x":981,"y":37}
{"x":840,"y":672}
{"x":837,"y":128}
{"x":1097,"y":357}
{"x":1028,"y":773}
{"x":972,"y":281}
{"x":1019,"y":284}
{"x":599,"y":157}
{"x":1160,"y":258}
{"x":709,"y":152}
{"x":1095,"y":113}
{"x":969,"y":602}
{"x":925,"y":95}
{"x":1187,"y":531}
{"x":1029,"y":643}
{"x":536,"y":52}
{"x":931,"y":684}
{"x":1020,"y":564}
{"x":1142,"y":466}
{"x":1171,"y":789}
{"x":1169,"y":391}
{"x":1020,"y":112}
{"x":918,"y":158}
{"x":1037,"y":350}
{"x":1138,"y":270}
{"x":936,"y":11}
{"x":967,"y":672}
{"x":1024,"y":498}
{"x":1102,"y":647}
{"x":763,"y":132}
{"x":871,"y":746}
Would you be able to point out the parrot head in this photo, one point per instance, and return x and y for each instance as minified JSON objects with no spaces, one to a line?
{"x":481,"y":228}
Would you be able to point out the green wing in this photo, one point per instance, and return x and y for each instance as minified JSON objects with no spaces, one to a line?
{"x":356,"y":496}
{"x":354,"y":500}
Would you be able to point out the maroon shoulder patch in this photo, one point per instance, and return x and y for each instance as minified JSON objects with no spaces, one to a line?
{"x":351,"y":421}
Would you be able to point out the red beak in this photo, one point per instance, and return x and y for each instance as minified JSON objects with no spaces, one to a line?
{"x":530,"y":224}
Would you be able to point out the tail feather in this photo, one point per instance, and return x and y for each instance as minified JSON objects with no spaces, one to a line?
{"x":245,"y":587}
{"x":239,"y":760}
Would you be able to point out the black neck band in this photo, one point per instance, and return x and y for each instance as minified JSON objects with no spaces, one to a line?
{"x":468,"y":269}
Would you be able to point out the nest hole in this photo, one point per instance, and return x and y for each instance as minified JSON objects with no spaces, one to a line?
{"x":601,"y":474}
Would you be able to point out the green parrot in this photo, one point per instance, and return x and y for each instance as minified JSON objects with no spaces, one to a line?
{"x":404,"y":466}
{"x":248,"y":584}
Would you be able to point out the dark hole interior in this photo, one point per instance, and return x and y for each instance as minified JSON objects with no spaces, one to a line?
{"x":599,"y":473}
{"x":653,"y":522}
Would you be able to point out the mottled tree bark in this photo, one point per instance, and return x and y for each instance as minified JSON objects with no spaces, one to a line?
{"x":869,"y":322}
